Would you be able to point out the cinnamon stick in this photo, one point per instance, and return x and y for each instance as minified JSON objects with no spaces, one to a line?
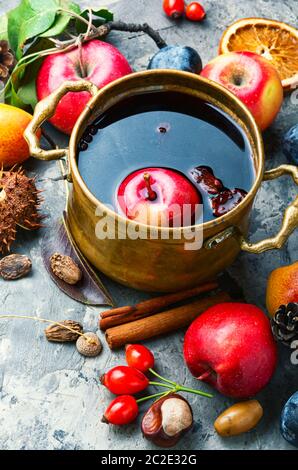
{"x":129,"y":313}
{"x":161,"y":323}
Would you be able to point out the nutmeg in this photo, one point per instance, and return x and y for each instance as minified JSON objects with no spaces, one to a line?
{"x":15,"y":266}
{"x":89,"y":345}
{"x":65,"y":268}
{"x":57,"y":333}
{"x":167,"y":420}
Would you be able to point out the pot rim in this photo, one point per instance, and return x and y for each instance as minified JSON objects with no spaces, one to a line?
{"x":91,"y":105}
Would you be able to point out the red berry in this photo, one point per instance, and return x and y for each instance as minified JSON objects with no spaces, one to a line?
{"x":122,"y":410}
{"x":173,"y":8}
{"x":139,"y":356}
{"x":124,"y":380}
{"x":195,"y":12}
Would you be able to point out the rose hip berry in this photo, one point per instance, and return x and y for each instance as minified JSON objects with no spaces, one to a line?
{"x":173,"y":8}
{"x":195,"y":12}
{"x":124,"y":380}
{"x":139,"y":356}
{"x":122,"y":410}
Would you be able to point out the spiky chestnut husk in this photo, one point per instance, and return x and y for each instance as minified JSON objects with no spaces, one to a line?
{"x":22,"y":199}
{"x":7,"y":228}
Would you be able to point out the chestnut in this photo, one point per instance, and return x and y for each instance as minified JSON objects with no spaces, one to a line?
{"x":167,"y":420}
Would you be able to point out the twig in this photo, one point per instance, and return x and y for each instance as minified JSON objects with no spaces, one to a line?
{"x":106,"y":28}
{"x":135,"y":28}
{"x":78,"y":17}
{"x":90,"y":25}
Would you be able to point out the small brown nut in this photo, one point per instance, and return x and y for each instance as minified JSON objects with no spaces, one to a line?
{"x":167,"y":420}
{"x":15,"y":266}
{"x":59,"y":334}
{"x":65,"y":268}
{"x":89,"y":348}
{"x":239,"y":418}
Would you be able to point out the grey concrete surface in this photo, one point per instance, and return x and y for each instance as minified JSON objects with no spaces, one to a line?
{"x":49,"y":395}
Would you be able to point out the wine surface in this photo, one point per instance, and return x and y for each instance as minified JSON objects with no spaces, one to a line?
{"x":164,"y":130}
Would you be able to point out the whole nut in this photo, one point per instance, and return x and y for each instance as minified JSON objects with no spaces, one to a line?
{"x":65,"y":268}
{"x":90,"y":346}
{"x":167,"y":420}
{"x":15,"y":266}
{"x":59,"y":334}
{"x":239,"y":418}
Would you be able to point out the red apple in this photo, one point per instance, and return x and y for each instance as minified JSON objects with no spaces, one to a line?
{"x":100,"y":63}
{"x":253,"y":79}
{"x":231,"y":347}
{"x":156,"y":196}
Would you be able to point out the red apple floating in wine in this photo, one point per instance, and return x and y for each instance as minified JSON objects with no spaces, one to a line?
{"x":231,"y":347}
{"x":157,"y":196}
{"x":98,"y":62}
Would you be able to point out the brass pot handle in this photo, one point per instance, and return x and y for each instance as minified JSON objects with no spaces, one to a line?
{"x":44,"y":110}
{"x":290,"y":219}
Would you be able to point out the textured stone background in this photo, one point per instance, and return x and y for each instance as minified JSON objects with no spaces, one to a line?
{"x":50,"y":398}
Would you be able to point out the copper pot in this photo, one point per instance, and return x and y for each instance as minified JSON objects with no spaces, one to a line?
{"x":159,"y":264}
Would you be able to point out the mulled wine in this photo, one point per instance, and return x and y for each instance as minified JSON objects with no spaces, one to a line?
{"x":172,"y":131}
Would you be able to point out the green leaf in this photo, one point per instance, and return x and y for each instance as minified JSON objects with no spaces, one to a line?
{"x":3,"y":28}
{"x":62,"y":20}
{"x":29,"y":19}
{"x":15,"y":100}
{"x":34,"y":26}
{"x":42,"y":5}
{"x":99,"y":17}
{"x":33,"y":18}
{"x":16,"y":17}
{"x":27,"y":87}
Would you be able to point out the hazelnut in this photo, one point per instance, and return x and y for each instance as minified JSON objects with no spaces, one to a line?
{"x":89,"y":344}
{"x":167,"y":420}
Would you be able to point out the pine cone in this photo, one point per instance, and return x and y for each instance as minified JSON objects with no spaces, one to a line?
{"x":284,"y":324}
{"x":6,"y":61}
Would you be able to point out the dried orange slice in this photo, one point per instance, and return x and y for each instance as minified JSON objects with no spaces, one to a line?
{"x":274,"y":40}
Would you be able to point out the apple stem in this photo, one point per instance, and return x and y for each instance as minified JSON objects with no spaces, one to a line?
{"x":151,"y":194}
{"x":81,"y":62}
{"x":205,"y":375}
